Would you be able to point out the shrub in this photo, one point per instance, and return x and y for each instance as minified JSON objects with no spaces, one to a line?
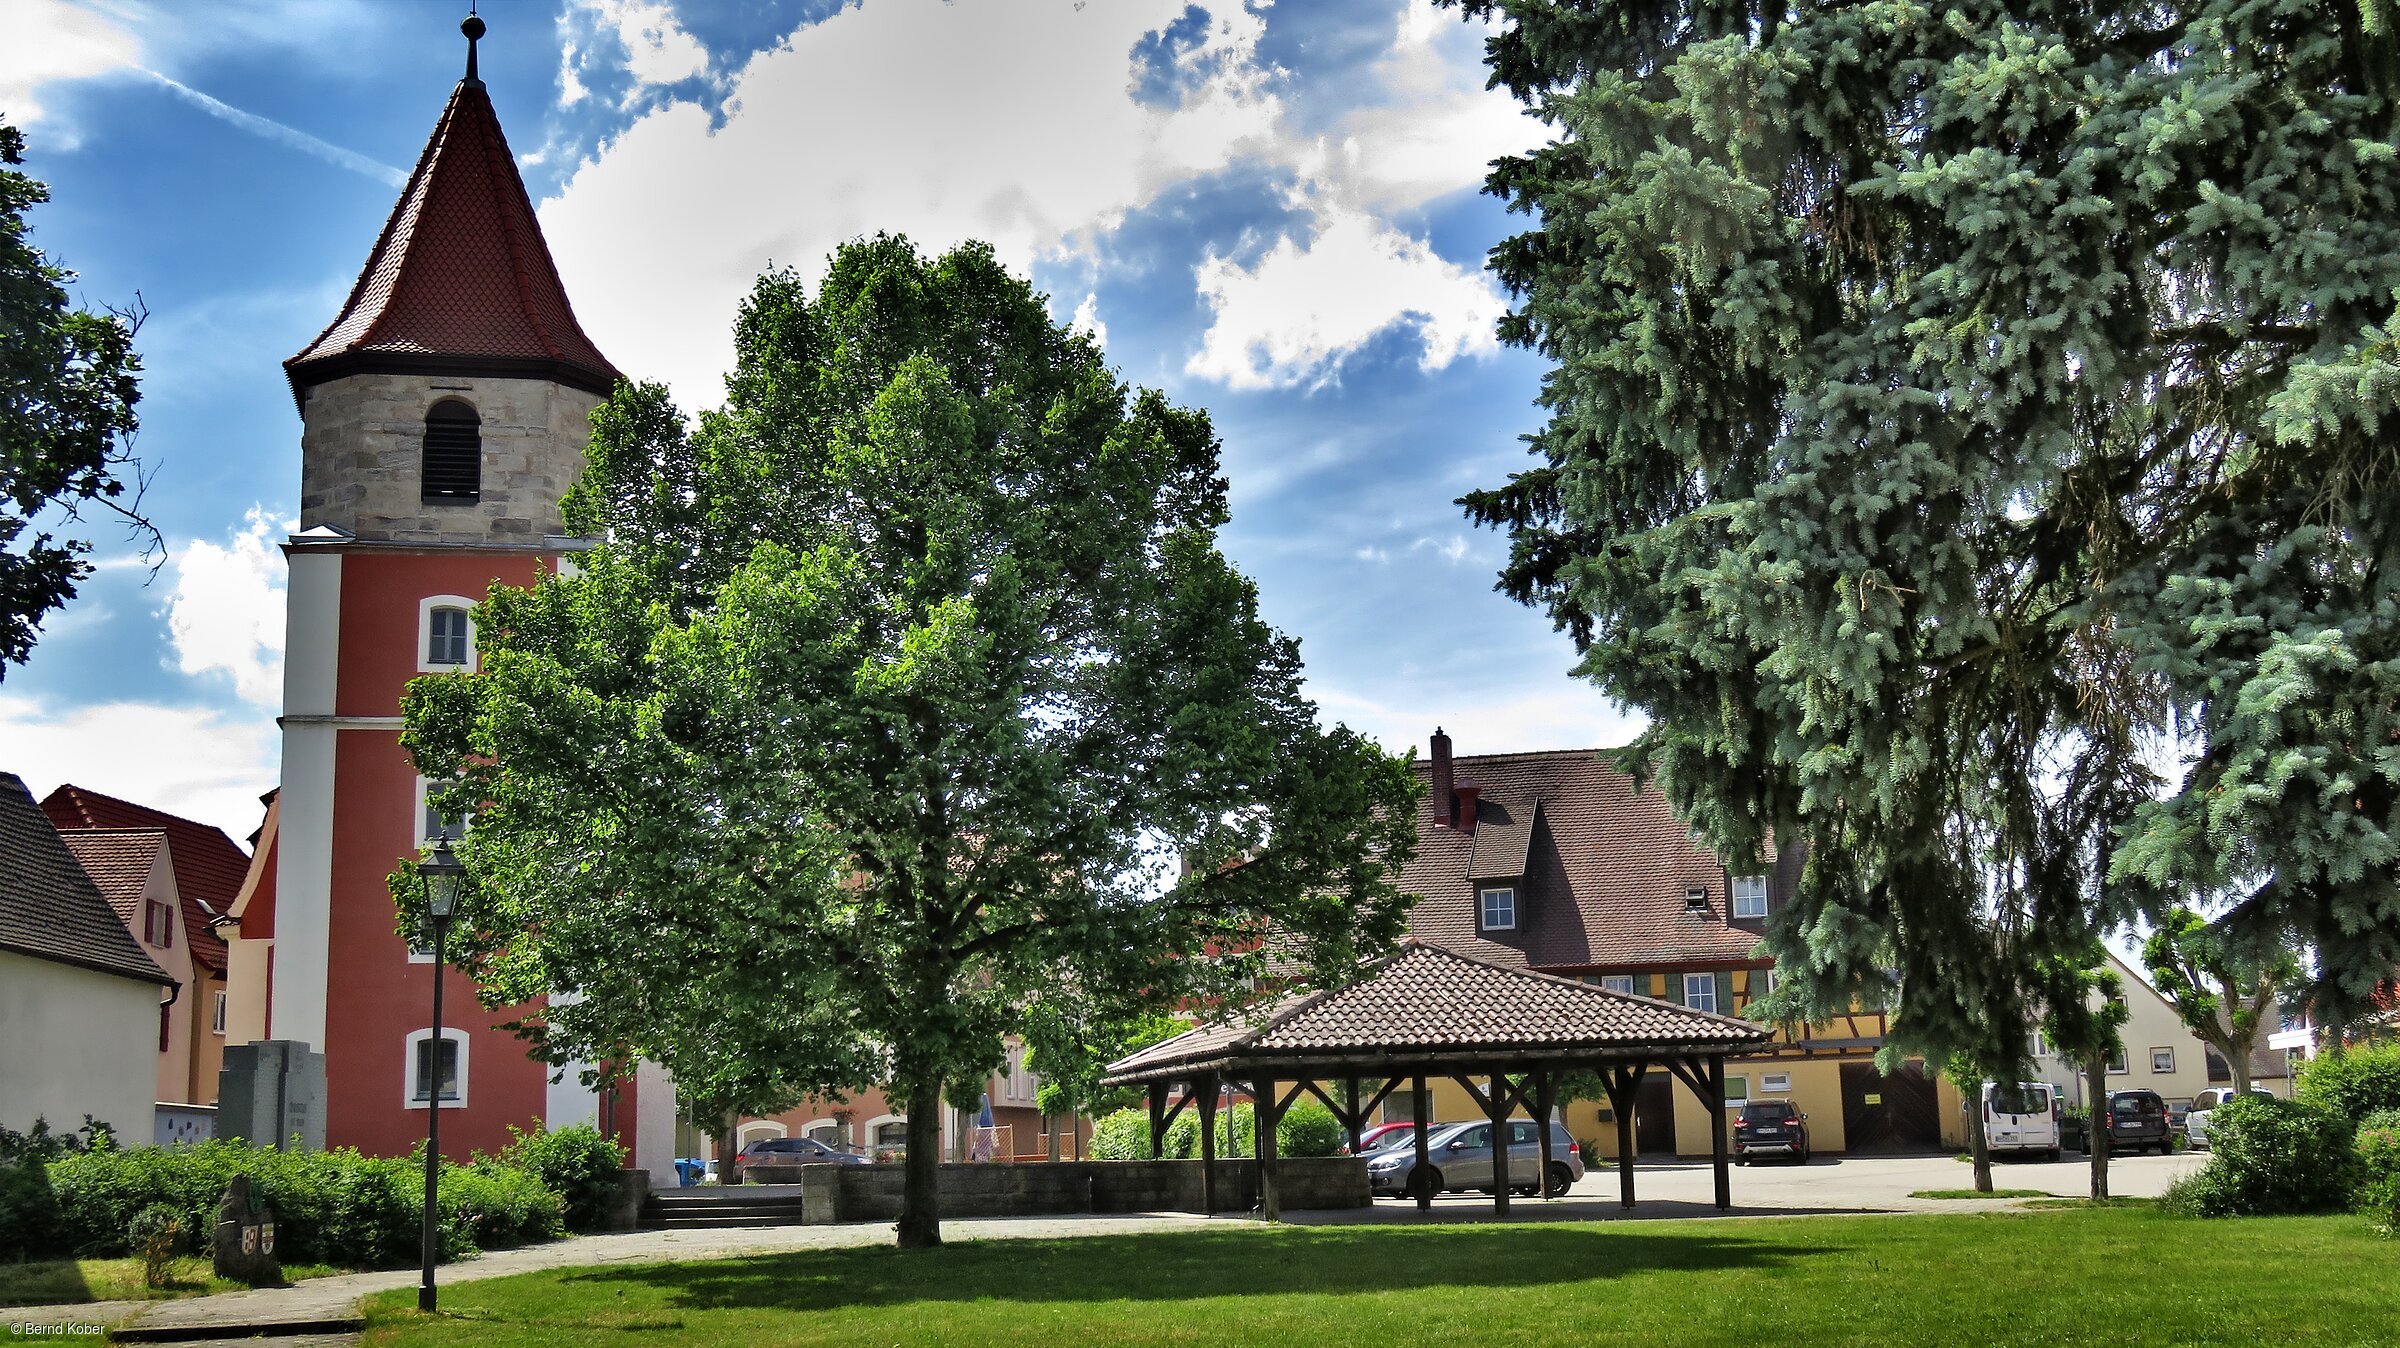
{"x":2378,"y":1149}
{"x":2269,"y":1157}
{"x":2352,"y":1082}
{"x":1309,"y":1129}
{"x":1122,"y":1136}
{"x":156,"y":1235}
{"x":579,"y":1164}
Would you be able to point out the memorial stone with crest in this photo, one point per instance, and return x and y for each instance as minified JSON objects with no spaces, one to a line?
{"x":245,"y":1238}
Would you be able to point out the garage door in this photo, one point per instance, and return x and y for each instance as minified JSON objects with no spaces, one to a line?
{"x":1889,"y":1114}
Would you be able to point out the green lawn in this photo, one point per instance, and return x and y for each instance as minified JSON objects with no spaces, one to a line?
{"x":66,"y":1281}
{"x":2084,"y":1275}
{"x":1978,"y":1193}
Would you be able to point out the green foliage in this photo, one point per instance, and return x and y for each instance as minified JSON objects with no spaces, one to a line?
{"x":1122,"y":1136}
{"x":579,"y":1164}
{"x":884,"y":710}
{"x":156,"y":1236}
{"x":28,"y":1207}
{"x":67,"y":390}
{"x":1309,"y":1129}
{"x":2352,"y":1082}
{"x":2267,"y":1158}
{"x":1071,"y":1053}
{"x":2220,"y":988}
{"x":2378,"y":1147}
{"x":1946,"y":400}
{"x":332,"y":1207}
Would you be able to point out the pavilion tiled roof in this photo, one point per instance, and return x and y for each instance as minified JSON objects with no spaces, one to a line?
{"x":461,"y":280}
{"x":209,"y":867}
{"x":1601,"y":869}
{"x":49,"y":908}
{"x":1426,"y":1001}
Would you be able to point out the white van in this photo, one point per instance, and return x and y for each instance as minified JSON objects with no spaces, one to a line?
{"x":2021,"y":1117}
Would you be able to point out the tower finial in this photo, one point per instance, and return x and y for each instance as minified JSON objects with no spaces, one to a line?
{"x":473,"y":28}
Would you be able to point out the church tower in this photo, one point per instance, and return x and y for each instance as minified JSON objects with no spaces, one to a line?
{"x":444,"y":412}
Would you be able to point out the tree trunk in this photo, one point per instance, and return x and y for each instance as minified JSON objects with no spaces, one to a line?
{"x":2240,"y":1063}
{"x":2095,"y":1136}
{"x":729,"y":1150}
{"x":1050,"y":1129}
{"x":920,"y":1224}
{"x":1978,"y":1145}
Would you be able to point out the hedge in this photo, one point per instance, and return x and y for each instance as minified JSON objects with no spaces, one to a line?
{"x":1306,"y":1129}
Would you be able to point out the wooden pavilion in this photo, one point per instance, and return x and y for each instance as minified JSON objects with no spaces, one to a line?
{"x":1425,"y":1012}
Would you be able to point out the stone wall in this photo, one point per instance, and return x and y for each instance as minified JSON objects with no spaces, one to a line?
{"x":871,"y":1193}
{"x":363,"y":439}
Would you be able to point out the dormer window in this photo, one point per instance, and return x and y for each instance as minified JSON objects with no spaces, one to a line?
{"x":1750,"y":896}
{"x":1497,"y":908}
{"x":1695,"y":900}
{"x":452,"y":472}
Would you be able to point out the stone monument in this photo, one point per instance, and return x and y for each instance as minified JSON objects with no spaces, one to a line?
{"x":245,"y":1238}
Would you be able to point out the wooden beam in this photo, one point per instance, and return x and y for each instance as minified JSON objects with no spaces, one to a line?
{"x":1354,"y":1119}
{"x":1158,"y":1119}
{"x":1545,"y":1099}
{"x":1716,"y":1114}
{"x":1474,"y":1092}
{"x":1311,"y":1088}
{"x":1207,"y":1089}
{"x":1381,"y":1094}
{"x":1267,"y":1112}
{"x":1624,"y":1091}
{"x":1496,"y":1109}
{"x":1424,"y":1171}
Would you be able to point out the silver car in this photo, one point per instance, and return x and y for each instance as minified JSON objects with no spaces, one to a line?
{"x":1461,"y":1158}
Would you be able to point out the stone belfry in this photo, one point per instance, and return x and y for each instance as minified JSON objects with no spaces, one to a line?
{"x":448,"y":401}
{"x":443,"y":413}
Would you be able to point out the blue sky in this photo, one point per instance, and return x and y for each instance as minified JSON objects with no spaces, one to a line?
{"x":1270,"y":212}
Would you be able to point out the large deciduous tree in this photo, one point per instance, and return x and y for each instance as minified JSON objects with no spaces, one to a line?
{"x":904,"y":694}
{"x":2220,"y":989}
{"x":1950,"y":402}
{"x":68,"y":383}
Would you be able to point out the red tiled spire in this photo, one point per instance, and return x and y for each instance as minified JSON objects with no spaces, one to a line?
{"x":460,"y":281}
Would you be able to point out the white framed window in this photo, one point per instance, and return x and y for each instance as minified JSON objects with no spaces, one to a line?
{"x":216,"y":1013}
{"x":757,"y":1128}
{"x":1700,"y":991}
{"x":1775,"y":1083}
{"x":445,"y":633}
{"x":1749,"y":896}
{"x":2036,"y":1045}
{"x":827,"y":1131}
{"x":429,"y":1065}
{"x":891,"y":1133}
{"x":1498,"y":908}
{"x":1617,"y":983}
{"x":432,"y":823}
{"x":2162,"y":1060}
{"x":1737,"y":1091}
{"x":2116,"y":1065}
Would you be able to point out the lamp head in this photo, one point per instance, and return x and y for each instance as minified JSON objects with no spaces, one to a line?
{"x":443,"y":876}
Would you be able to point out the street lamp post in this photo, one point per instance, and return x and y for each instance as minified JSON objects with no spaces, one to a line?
{"x":442,"y":874}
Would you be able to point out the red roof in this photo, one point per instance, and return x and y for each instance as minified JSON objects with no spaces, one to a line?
{"x":1600,"y":870}
{"x":119,"y":862}
{"x":460,"y":280}
{"x":208,"y":865}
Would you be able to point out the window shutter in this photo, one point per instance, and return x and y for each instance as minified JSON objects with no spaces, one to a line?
{"x":1675,"y":988}
{"x":1724,"y":992}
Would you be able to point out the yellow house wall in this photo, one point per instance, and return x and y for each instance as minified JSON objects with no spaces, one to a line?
{"x":1816,"y":1089}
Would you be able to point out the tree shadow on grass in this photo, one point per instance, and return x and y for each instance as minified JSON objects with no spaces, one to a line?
{"x":1180,"y":1266}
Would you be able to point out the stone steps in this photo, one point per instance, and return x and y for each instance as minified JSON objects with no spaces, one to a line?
{"x":704,"y":1209}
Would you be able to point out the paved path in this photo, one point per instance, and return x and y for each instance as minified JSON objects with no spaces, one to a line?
{"x":1681,"y":1189}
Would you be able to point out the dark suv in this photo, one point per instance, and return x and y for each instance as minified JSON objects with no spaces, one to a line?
{"x":1770,"y":1128}
{"x":2137,"y":1120}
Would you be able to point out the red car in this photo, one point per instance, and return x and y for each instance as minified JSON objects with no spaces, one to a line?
{"x":1383,"y":1135}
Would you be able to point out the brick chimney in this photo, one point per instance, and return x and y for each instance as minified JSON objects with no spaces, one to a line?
{"x":1445,"y":801}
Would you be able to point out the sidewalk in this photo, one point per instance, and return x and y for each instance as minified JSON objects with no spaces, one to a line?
{"x":322,"y":1305}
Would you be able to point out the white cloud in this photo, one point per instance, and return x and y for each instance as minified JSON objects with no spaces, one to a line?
{"x":46,"y":41}
{"x":199,"y":762}
{"x":658,"y":51}
{"x":1452,"y":549}
{"x":1014,"y":122}
{"x":1379,"y":556}
{"x":1430,"y":126}
{"x":1087,"y":319}
{"x":226,"y":612}
{"x":1293,"y":315}
{"x":1482,"y":721}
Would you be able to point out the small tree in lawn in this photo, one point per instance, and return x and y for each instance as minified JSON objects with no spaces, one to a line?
{"x":885,"y":706}
{"x":2220,"y":988}
{"x":2084,"y":1019}
{"x":1069,"y":1054}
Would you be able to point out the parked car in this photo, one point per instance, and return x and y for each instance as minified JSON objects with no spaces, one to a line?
{"x":2195,"y":1124}
{"x":1385,"y":1135}
{"x":1770,"y":1128}
{"x":2020,"y":1117}
{"x":792,"y":1151}
{"x":1461,"y":1158}
{"x":2136,"y":1121}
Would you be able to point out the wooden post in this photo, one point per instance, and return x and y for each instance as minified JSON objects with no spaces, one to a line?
{"x":1158,"y":1119}
{"x":1353,"y":1117}
{"x":1264,"y":1113}
{"x":1207,"y":1086}
{"x":1624,"y":1087}
{"x":1545,"y":1099}
{"x":1716,"y":1114}
{"x":1495,"y":1108}
{"x":1423,"y":1102}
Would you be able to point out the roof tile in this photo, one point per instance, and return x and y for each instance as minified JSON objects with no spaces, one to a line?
{"x":209,"y":867}
{"x":49,"y":908}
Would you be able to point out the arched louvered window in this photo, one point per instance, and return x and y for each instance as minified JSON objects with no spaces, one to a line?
{"x":453,"y":469}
